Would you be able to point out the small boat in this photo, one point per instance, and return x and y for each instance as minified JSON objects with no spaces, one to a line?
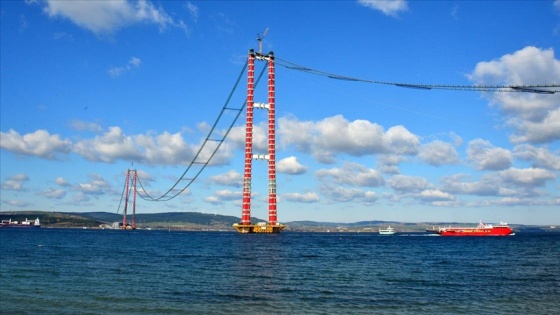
{"x":21,"y":224}
{"x":482,"y":229}
{"x":388,"y":231}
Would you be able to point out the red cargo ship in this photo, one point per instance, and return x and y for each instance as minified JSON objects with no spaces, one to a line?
{"x":481,"y":230}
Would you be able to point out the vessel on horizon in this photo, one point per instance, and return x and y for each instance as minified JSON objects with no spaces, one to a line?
{"x":388,"y":231}
{"x":21,"y":224}
{"x":482,"y":229}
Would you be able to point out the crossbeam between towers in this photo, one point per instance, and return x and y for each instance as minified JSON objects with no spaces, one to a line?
{"x":272,"y":226}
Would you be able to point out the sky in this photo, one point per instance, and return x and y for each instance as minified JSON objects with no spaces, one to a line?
{"x":91,"y":89}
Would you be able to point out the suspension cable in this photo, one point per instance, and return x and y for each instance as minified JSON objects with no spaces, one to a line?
{"x":166,"y":196}
{"x":532,"y":88}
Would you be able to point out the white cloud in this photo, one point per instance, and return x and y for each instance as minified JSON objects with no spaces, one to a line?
{"x":85,"y":126}
{"x":527,"y":177}
{"x":223,"y":195}
{"x":335,"y":135}
{"x":97,"y":185}
{"x":54,"y":193}
{"x":228,"y":194}
{"x":398,"y":140}
{"x":438,"y":153}
{"x":61,"y":182}
{"x":106,"y":17}
{"x":39,"y":143}
{"x":291,"y":166}
{"x":132,"y":64}
{"x":342,"y":194}
{"x":541,"y":157}
{"x":308,"y":197}
{"x":408,"y":184}
{"x":388,"y":7}
{"x":231,"y":178}
{"x":515,"y":183}
{"x":535,"y":118}
{"x":487,"y":157}
{"x":193,"y":10}
{"x":488,"y":186}
{"x":15,"y":182}
{"x":352,"y":174}
{"x":388,"y":163}
{"x":113,"y":145}
{"x":434,"y":195}
{"x":109,"y":147}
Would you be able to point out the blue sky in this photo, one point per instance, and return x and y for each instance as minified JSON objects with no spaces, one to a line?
{"x":91,"y":89}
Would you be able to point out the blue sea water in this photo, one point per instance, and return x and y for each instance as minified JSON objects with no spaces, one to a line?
{"x":73,"y":271}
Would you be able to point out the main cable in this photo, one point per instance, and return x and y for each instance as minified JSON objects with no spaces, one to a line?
{"x":532,"y":88}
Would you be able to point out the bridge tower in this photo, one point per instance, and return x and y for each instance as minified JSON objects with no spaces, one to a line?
{"x":124,"y":225}
{"x":272,"y":226}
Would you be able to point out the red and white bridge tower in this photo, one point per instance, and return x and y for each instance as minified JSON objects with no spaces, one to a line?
{"x":272,"y":226}
{"x":124,"y":225}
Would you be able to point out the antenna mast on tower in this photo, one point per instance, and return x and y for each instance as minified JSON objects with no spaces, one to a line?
{"x":260,"y":38}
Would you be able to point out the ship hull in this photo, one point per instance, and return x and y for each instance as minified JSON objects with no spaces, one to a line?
{"x":19,"y":226}
{"x":496,"y":231}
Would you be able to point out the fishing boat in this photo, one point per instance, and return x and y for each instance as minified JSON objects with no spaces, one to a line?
{"x":21,"y":224}
{"x":482,"y":229}
{"x":388,"y":231}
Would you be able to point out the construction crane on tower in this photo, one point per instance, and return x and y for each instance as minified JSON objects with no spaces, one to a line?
{"x":260,"y":38}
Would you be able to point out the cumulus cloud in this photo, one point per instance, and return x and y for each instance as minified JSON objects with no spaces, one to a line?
{"x":114,"y":145}
{"x":388,"y":7}
{"x":541,"y":157}
{"x":335,"y":135}
{"x":487,"y":157}
{"x":534,"y":118}
{"x":231,"y":178}
{"x":224,"y":195}
{"x":513,"y":182}
{"x":389,"y":163}
{"x":291,"y":166}
{"x":408,"y":184}
{"x":309,"y":197}
{"x":39,"y":143}
{"x":61,"y":182}
{"x":434,"y":195}
{"x":15,"y":182}
{"x":527,"y":177}
{"x":96,"y":185}
{"x":106,"y":17}
{"x":459,"y":184}
{"x":342,"y":194}
{"x":109,"y":147}
{"x":438,"y":153}
{"x":54,"y":193}
{"x":351,"y":174}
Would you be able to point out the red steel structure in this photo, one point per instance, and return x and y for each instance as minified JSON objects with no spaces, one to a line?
{"x":272,"y":226}
{"x":124,"y":225}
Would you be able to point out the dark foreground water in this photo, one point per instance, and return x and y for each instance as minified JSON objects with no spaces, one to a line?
{"x":65,"y":271}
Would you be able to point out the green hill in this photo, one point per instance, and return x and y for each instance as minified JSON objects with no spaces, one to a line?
{"x":202,"y":221}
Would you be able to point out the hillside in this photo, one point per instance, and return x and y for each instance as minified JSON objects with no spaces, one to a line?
{"x":202,"y":221}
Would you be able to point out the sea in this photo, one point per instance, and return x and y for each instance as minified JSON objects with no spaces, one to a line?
{"x":86,"y":271}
